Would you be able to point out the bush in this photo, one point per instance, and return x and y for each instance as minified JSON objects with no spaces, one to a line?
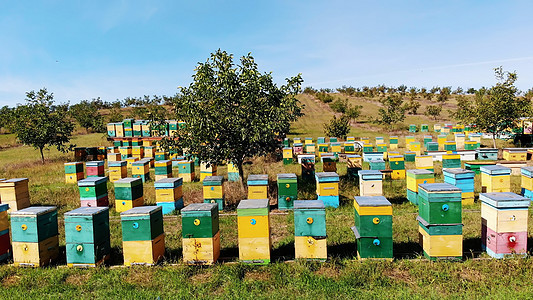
{"x":339,"y":105}
{"x":338,"y":127}
{"x":324,"y":97}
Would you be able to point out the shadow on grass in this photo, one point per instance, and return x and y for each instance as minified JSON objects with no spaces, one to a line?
{"x":283,"y":252}
{"x":472,"y":247}
{"x":406,"y":250}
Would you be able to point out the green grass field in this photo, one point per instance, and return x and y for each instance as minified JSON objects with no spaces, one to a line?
{"x":341,"y":277}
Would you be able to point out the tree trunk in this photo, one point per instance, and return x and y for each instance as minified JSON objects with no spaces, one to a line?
{"x":42,"y":155}
{"x":494,"y":140}
{"x":241,"y":170}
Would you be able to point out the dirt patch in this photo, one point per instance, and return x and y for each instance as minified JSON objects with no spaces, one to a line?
{"x":328,"y":271}
{"x":193,"y":196}
{"x":257,"y":275}
{"x":399,"y":275}
{"x":11,"y":280}
{"x":140,"y":276}
{"x":200,"y":278}
{"x":77,"y":279}
{"x":471,"y":275}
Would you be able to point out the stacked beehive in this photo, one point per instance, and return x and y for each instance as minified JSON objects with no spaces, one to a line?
{"x":257,"y":186}
{"x":287,"y":155}
{"x":504,"y":218}
{"x":424,"y":162}
{"x":377,"y":164}
{"x":349,"y":147}
{"x":441,"y":140}
{"x":310,"y":148}
{"x":373,"y":227}
{"x":327,"y":188}
{"x":515,"y":154}
{"x":130,"y":161}
{"x":35,"y":236}
{"x":321,"y":139}
{"x":186,"y":170}
{"x":137,"y":128}
{"x":87,"y":236}
{"x":111,"y":156}
{"x":161,"y":155}
{"x":409,"y":139}
{"x":487,"y":154}
{"x":368,"y":148}
{"x":432,"y":146}
{"x":527,"y":182}
{"x":393,"y":141}
{"x":427,"y":139}
{"x":409,"y":156}
{"x":322,"y":148}
{"x":437,"y":128}
{"x":15,"y":192}
{"x":450,"y":146}
{"x":333,"y":139}
{"x":73,"y":172}
{"x":308,"y":168}
{"x":414,"y":178}
{"x":397,"y":165}
{"x":336,"y":148}
{"x":93,"y":192}
{"x":382,"y":147}
{"x":213,"y":190}
{"x":440,"y":221}
{"x":200,"y":233}
{"x":310,"y":230}
{"x":329,"y":163}
{"x":146,"y":130}
{"x":143,"y":237}
{"x":128,"y":194}
{"x":287,"y":190}
{"x":451,"y":161}
{"x":253,"y":221}
{"x":117,"y":170}
{"x":111,"y":132}
{"x":471,"y":145}
{"x":125,"y":152}
{"x":495,"y":179}
{"x":128,"y":127}
{"x":207,"y":170}
{"x":141,"y":169}
{"x":5,"y":244}
{"x":95,"y":168}
{"x":354,"y":163}
{"x":233,"y":172}
{"x":460,"y":141}
{"x":137,"y":151}
{"x":463,"y":179}
{"x":415,"y":147}
{"x":163,"y":169}
{"x":424,"y":128}
{"x":370,"y":183}
{"x":169,"y":194}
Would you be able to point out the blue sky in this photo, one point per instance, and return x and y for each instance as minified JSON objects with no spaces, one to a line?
{"x":116,"y":49}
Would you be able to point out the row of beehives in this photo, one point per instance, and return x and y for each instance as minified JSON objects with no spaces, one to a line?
{"x":142,"y":128}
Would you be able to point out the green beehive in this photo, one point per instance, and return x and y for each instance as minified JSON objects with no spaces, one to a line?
{"x":368,"y":148}
{"x":87,"y":236}
{"x":142,"y":223}
{"x":381,"y":148}
{"x":128,"y":188}
{"x":393,"y":140}
{"x":126,"y":143}
{"x":377,"y":164}
{"x":424,"y":128}
{"x":309,"y":218}
{"x":395,"y":163}
{"x":471,"y":145}
{"x":373,"y":216}
{"x":92,"y":187}
{"x":75,"y":167}
{"x":286,"y":142}
{"x":321,"y":140}
{"x":450,"y":146}
{"x":213,"y":190}
{"x":410,"y":156}
{"x":432,"y":146}
{"x":287,"y":190}
{"x":164,"y":167}
{"x":34,"y":224}
{"x":333,"y":140}
{"x":439,"y":203}
{"x":427,"y":139}
{"x":200,"y":220}
{"x":128,"y":123}
{"x":117,"y":143}
{"x":412,"y":128}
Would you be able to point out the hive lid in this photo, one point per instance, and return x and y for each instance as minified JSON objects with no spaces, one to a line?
{"x":169,"y":181}
{"x":309,"y":204}
{"x":372,"y":201}
{"x":286,"y":176}
{"x":253,"y":203}
{"x":91,"y":181}
{"x":259,"y":177}
{"x":298,"y":144}
{"x":74,"y":163}
{"x":495,"y":169}
{"x":117,"y":163}
{"x":34,"y":211}
{"x":141,"y":210}
{"x":85,"y":211}
{"x":199,"y":207}
{"x":504,"y":200}
{"x":213,"y":180}
{"x":370,"y":172}
{"x":163,"y":161}
{"x":458,"y":171}
{"x":128,"y":180}
{"x":487,"y":150}
{"x":439,"y":187}
{"x":420,"y":172}
{"x":13,"y":181}
{"x":94,"y":163}
{"x":353,"y":156}
{"x":321,"y":175}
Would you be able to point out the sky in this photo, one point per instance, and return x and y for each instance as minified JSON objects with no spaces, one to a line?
{"x":116,"y":49}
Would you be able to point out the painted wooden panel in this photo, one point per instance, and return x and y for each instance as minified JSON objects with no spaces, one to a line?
{"x":213,"y":192}
{"x":505,"y":242}
{"x":168,"y":195}
{"x":370,"y":187}
{"x":398,"y":174}
{"x":310,"y":247}
{"x":144,"y":252}
{"x":257,"y":192}
{"x":441,"y":245}
{"x":495,"y":184}
{"x":253,"y":226}
{"x":255,"y":250}
{"x":328,"y":189}
{"x":201,"y":251}
{"x":504,"y":220}
{"x":34,"y":224}
{"x":87,"y":254}
{"x":35,"y":254}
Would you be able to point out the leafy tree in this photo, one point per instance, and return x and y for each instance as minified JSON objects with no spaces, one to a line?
{"x":324,"y":97}
{"x":424,"y":93}
{"x":234,"y":111}
{"x":339,"y":105}
{"x":6,"y":117}
{"x":87,"y":115}
{"x":464,"y":110}
{"x":444,"y":94}
{"x":353,"y":112}
{"x":434,"y":90}
{"x":402,"y":89}
{"x":458,"y":91}
{"x":413,"y":92}
{"x":433,"y":111}
{"x":42,"y":124}
{"x":392,"y":111}
{"x":471,"y":91}
{"x":115,"y":115}
{"x":337,"y":127}
{"x":412,"y":107}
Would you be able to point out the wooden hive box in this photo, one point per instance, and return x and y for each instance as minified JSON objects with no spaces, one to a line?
{"x":119,"y":129}
{"x":321,"y":140}
{"x":370,"y":183}
{"x":439,"y":203}
{"x":163,"y":169}
{"x":368,"y":156}
{"x":117,"y":170}
{"x":146,"y":132}
{"x":73,"y":172}
{"x":380,"y":140}
{"x":87,"y":236}
{"x":495,"y":178}
{"x":128,"y":132}
{"x":451,"y":161}
{"x":95,"y":168}
{"x":125,"y":152}
{"x":287,"y":190}
{"x":200,"y":233}
{"x":169,"y":194}
{"x":487,"y":154}
{"x":373,"y":227}
{"x":349,"y":147}
{"x":15,"y":192}
{"x":476,"y":165}
{"x":527,"y":181}
{"x":5,"y":240}
{"x":186,"y":170}
{"x":149,"y":151}
{"x":424,"y":128}
{"x":213,"y":190}
{"x":286,"y":142}
{"x":354,"y":163}
{"x":329,"y":163}
{"x":397,"y":165}
{"x":130,"y":161}
{"x":257,"y":186}
{"x":34,"y":232}
{"x":327,"y":188}
{"x":432,"y":146}
{"x":409,"y":139}
{"x":377,"y":164}
{"x":515,"y":154}
{"x":441,"y":140}
{"x":393,"y":141}
{"x":427,"y":139}
{"x":450,"y":146}
{"x":382,"y":147}
{"x":460,"y":141}
{"x":424,"y":162}
{"x":414,"y":178}
{"x":310,"y":148}
{"x":128,"y":194}
{"x":310,"y":230}
{"x":437,"y":128}
{"x":368,"y":148}
{"x":414,"y":147}
{"x":409,"y":156}
{"x":336,"y":147}
{"x":504,"y":219}
{"x":113,"y":157}
{"x":137,"y":151}
{"x":308,"y":140}
{"x":254,"y":231}
{"x":141,"y":169}
{"x":471,"y":145}
{"x":296,"y":140}
{"x":143,"y":237}
{"x":333,"y":140}
{"x":322,"y":148}
{"x":161,"y":155}
{"x":412,"y":128}
{"x":93,"y":192}
{"x":441,"y":241}
{"x":298,"y":148}
{"x":207,"y":170}
{"x":463,"y":179}
{"x":350,"y":139}
{"x":287,"y":156}
{"x":233,"y":172}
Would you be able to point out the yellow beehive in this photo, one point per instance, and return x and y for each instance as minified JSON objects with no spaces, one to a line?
{"x":253,"y":222}
{"x":205,"y":250}
{"x":146,"y":142}
{"x":441,"y":245}
{"x":441,"y":139}
{"x":365,"y":140}
{"x":119,"y":130}
{"x":137,"y":151}
{"x":114,"y":157}
{"x":310,"y":148}
{"x":36,"y":254}
{"x":511,"y":154}
{"x":414,"y":147}
{"x":15,"y":192}
{"x":124,"y":205}
{"x":125,"y":152}
{"x":131,"y":160}
{"x":460,"y":141}
{"x":424,"y":162}
{"x":495,"y":184}
{"x":143,"y":252}
{"x":287,"y":152}
{"x":408,"y":140}
{"x":309,"y":247}
{"x":397,"y":174}
{"x":117,"y":170}
{"x":207,"y":171}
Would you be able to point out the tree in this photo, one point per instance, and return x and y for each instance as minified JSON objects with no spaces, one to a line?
{"x":444,"y":94}
{"x":402,"y":89}
{"x":353,"y":112}
{"x":233,"y":112}
{"x":412,"y":107}
{"x":471,"y":91}
{"x":413,"y":92}
{"x":392,"y":111}
{"x":433,"y":111}
{"x":42,"y":124}
{"x":339,"y":105}
{"x":337,"y":127}
{"x":6,"y":117}
{"x":87,"y":115}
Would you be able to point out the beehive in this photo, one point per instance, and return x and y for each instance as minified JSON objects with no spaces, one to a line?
{"x":213,"y":190}
{"x":368,"y":148}
{"x":365,"y":140}
{"x":329,"y":163}
{"x":327,"y":188}
{"x":471,"y":145}
{"x":308,"y":168}
{"x":253,"y":223}
{"x":125,"y":152}
{"x":149,"y":151}
{"x":143,"y":238}
{"x":73,"y":172}
{"x":382,"y":147}
{"x":287,"y":156}
{"x":333,"y":139}
{"x":495,"y":179}
{"x":287,"y":190}
{"x":34,"y":232}
{"x":437,"y":127}
{"x":527,"y":182}
{"x":393,"y":141}
{"x":169,"y":194}
{"x":409,"y":156}
{"x":415,"y":147}
{"x":373,"y":227}
{"x":137,"y":128}
{"x":354,"y":163}
{"x":137,"y":151}
{"x":408,"y":140}
{"x":161,"y":155}
{"x":424,"y":162}
{"x":440,"y":241}
{"x":451,"y":161}
{"x":515,"y":154}
{"x":370,"y":183}
{"x":380,"y":140}
{"x":476,"y":165}
{"x":257,"y":186}
{"x":233,"y":172}
{"x":439,"y":203}
{"x":463,"y":179}
{"x":424,"y":128}
{"x":296,"y":140}
{"x":186,"y":170}
{"x":87,"y":236}
{"x":322,"y":148}
{"x":414,"y":178}
{"x":15,"y":192}
{"x":207,"y":169}
{"x":321,"y":139}
{"x":200,"y":233}
{"x":349,"y":147}
{"x":95,"y":168}
{"x":141,"y":169}
{"x":450,"y":146}
{"x":5,"y":244}
{"x":125,"y":143}
{"x":504,"y":218}
{"x":119,"y":129}
{"x":377,"y":164}
{"x":93,"y":192}
{"x":350,"y":139}
{"x":487,"y":154}
{"x":397,"y":165}
{"x":441,"y":140}
{"x":427,"y":139}
{"x":412,"y":128}
{"x":298,"y":148}
{"x":117,"y":170}
{"x":308,"y":140}
{"x":146,"y":130}
{"x":310,"y":148}
{"x":128,"y":193}
{"x":130,"y":161}
{"x":310,"y":230}
{"x":336,"y":148}
{"x":460,"y":141}
{"x":113,"y":157}
{"x":163,"y":169}
{"x":432,"y":146}
{"x":286,"y":142}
